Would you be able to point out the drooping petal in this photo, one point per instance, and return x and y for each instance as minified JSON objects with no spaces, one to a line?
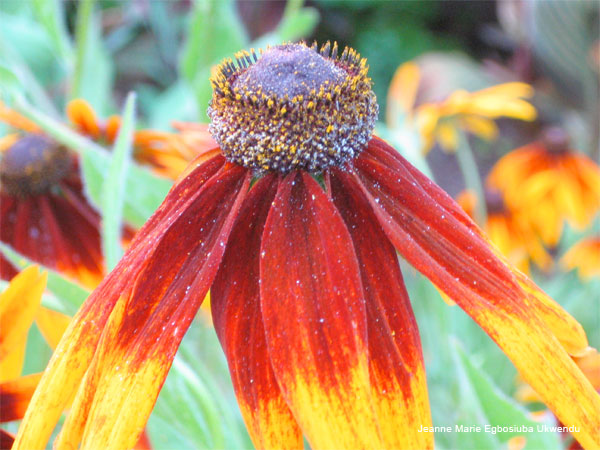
{"x":144,"y":331}
{"x":313,"y":308}
{"x":460,"y":262}
{"x":399,"y":388}
{"x":73,"y":355}
{"x":15,"y":396}
{"x":563,"y":326}
{"x":18,"y":305}
{"x":235,"y":304}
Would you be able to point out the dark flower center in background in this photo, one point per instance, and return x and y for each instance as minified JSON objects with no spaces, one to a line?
{"x":293,"y":107}
{"x":555,"y":140}
{"x":494,"y":201}
{"x":33,"y":165}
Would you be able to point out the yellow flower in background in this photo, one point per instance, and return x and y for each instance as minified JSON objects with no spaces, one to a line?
{"x":402,"y":93}
{"x":20,"y":306}
{"x":473,"y":112}
{"x":550,"y":184}
{"x":585,"y":257}
{"x":507,"y":231}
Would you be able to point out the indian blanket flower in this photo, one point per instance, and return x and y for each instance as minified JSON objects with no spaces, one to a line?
{"x":44,"y":213}
{"x":19,"y":308}
{"x":293,"y":223}
{"x":551,"y":183}
{"x":511,"y":235}
{"x":584,"y":256}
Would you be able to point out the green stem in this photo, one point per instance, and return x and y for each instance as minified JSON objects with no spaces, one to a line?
{"x":82,"y":32}
{"x":470,"y":172}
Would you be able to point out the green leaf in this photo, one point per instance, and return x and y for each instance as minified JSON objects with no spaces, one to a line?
{"x":50,"y":14}
{"x":145,"y":191}
{"x":194,"y":409}
{"x":297,"y":22}
{"x":113,"y":190}
{"x":69,"y":295}
{"x":493,"y":408}
{"x":93,"y":71}
{"x":214,"y":32}
{"x":8,"y":80}
{"x":10,"y":55}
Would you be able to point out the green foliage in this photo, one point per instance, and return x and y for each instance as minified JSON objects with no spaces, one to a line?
{"x":113,"y":189}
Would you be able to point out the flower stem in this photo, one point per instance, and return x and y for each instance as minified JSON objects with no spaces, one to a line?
{"x":470,"y":172}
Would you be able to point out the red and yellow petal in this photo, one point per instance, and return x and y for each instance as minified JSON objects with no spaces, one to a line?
{"x":462,"y":264}
{"x":140,"y":341}
{"x":78,"y":345}
{"x":237,"y":318}
{"x":15,"y":396}
{"x":397,"y":372}
{"x":314,"y":314}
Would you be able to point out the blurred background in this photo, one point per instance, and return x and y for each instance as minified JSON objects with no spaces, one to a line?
{"x":460,"y":85}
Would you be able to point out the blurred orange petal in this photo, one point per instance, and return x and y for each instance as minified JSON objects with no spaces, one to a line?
{"x":82,"y":115}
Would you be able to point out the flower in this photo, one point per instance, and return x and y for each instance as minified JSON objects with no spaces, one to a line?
{"x":550,"y":183}
{"x":506,"y":230}
{"x":585,"y":257}
{"x":293,"y":224}
{"x":473,"y":112}
{"x":19,"y":307}
{"x":45,"y":215}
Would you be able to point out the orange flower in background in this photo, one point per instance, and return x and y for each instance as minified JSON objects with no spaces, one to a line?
{"x":585,"y":257}
{"x":44,"y":213}
{"x":168,"y":154}
{"x":508,"y":233}
{"x":19,"y":308}
{"x":550,"y":184}
{"x":293,"y":223}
